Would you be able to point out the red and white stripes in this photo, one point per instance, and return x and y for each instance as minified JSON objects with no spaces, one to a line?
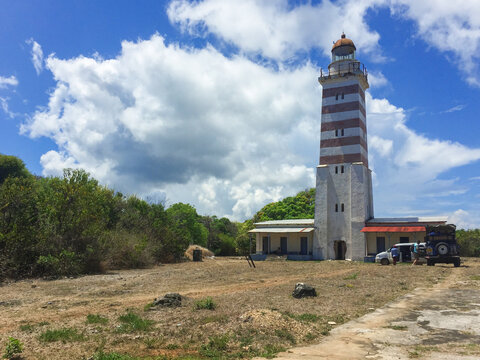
{"x":343,"y":129}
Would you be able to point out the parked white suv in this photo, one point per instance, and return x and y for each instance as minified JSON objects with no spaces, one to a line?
{"x":385,"y":257}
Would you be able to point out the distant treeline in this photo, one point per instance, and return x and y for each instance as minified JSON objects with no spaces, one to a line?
{"x":71,"y":225}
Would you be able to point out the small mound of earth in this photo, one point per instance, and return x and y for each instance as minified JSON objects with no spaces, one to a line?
{"x":268,"y":320}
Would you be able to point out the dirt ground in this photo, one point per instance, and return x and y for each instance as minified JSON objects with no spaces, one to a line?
{"x":437,"y":323}
{"x":255,"y":314}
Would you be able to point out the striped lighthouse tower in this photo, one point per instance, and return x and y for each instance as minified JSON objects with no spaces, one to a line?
{"x":344,"y":187}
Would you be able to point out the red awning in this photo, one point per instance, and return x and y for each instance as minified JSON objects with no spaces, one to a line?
{"x":393,"y":229}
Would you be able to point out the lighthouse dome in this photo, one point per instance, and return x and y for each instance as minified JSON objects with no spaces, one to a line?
{"x":343,"y":41}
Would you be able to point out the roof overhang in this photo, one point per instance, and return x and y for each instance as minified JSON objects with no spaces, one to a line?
{"x":282,"y":230}
{"x":400,"y":229}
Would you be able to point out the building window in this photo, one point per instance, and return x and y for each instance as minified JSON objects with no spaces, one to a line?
{"x":343,"y":208}
{"x":342,"y":169}
{"x":343,"y":132}
{"x":336,"y":132}
{"x":343,"y":96}
{"x":336,"y":207}
{"x":336,"y":97}
{"x":336,"y":169}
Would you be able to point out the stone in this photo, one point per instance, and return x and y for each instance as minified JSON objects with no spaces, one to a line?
{"x":169,"y":300}
{"x":303,"y":290}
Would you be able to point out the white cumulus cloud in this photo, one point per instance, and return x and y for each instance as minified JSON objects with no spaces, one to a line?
{"x":275,"y":29}
{"x":192,"y":123}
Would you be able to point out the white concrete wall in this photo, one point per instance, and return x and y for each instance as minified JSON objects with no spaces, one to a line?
{"x":293,"y":241}
{"x":390,"y":239}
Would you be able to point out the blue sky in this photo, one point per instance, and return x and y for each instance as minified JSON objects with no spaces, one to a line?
{"x":216,"y":103}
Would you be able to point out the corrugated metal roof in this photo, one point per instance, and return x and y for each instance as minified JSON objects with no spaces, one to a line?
{"x":286,"y":222}
{"x":413,"y":219}
{"x":282,"y":230}
{"x":400,"y":229}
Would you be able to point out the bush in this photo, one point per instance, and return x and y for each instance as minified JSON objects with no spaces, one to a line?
{"x":206,"y":303}
{"x":66,"y":263}
{"x":13,"y":348}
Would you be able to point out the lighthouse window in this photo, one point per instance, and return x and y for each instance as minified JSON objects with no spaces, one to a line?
{"x":343,"y":208}
{"x":336,"y":207}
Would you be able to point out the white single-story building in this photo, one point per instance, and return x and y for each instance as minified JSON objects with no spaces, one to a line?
{"x":294,"y":238}
{"x":285,"y":237}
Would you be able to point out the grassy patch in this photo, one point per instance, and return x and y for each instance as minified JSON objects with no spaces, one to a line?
{"x":351,"y":277}
{"x":206,"y":303}
{"x":96,"y":319}
{"x":306,"y":317}
{"x":111,"y":356}
{"x":397,"y":327}
{"x":216,"y":346}
{"x":131,"y":322}
{"x":284,"y":334}
{"x":27,"y":327}
{"x":213,"y":318}
{"x":270,"y":351}
{"x":420,"y":350}
{"x":63,"y":335}
{"x":148,"y":306}
{"x":475,"y":277}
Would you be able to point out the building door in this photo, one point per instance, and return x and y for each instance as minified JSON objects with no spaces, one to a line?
{"x":265,"y":245}
{"x":303,"y":246}
{"x":380,"y":244}
{"x":404,"y":239}
{"x":340,"y":248}
{"x":283,"y":245}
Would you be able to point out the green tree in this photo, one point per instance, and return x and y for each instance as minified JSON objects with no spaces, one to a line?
{"x":469,"y":242}
{"x":301,"y":206}
{"x":12,"y":166}
{"x":187,"y":224}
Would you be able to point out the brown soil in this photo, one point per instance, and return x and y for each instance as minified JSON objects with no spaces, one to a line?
{"x":255,"y":309}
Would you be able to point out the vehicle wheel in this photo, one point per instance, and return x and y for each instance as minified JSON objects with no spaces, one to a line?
{"x":442,"y":249}
{"x":456,"y":262}
{"x":384,"y":261}
{"x":430,"y":263}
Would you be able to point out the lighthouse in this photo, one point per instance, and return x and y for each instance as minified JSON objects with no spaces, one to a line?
{"x":344,"y":200}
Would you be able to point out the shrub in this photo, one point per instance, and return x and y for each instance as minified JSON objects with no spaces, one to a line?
{"x":206,"y":303}
{"x":14,"y":347}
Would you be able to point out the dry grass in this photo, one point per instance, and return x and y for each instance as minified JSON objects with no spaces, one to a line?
{"x":255,"y":314}
{"x":205,"y":252}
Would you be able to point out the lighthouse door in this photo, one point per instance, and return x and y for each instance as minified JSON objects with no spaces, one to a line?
{"x":340,"y":248}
